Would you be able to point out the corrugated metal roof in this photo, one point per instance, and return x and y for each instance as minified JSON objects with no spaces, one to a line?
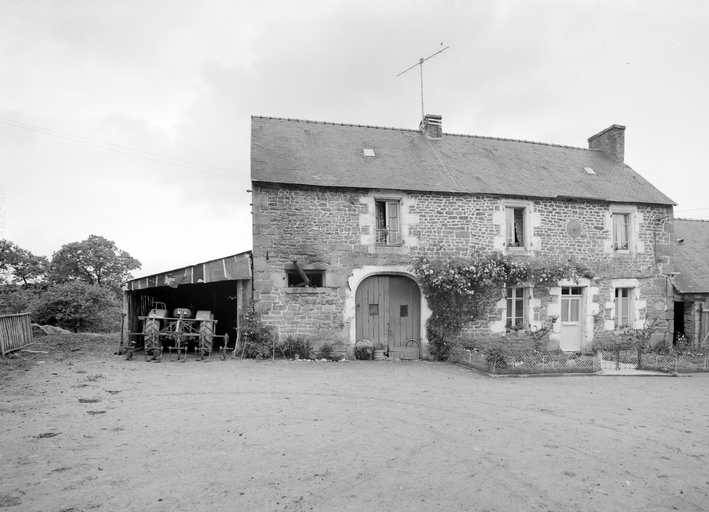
{"x":230,"y":268}
{"x":331,"y":155}
{"x":691,"y":257}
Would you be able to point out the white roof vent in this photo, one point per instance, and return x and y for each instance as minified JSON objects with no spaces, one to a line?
{"x":589,"y":170}
{"x":368,"y":152}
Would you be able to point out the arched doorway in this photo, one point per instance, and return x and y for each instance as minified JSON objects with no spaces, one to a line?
{"x":388,"y":311}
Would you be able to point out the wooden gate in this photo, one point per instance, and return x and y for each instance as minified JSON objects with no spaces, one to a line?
{"x":388,"y":311}
{"x":15,"y":332}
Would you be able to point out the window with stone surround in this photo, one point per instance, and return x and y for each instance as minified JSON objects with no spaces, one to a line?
{"x":387,"y":218}
{"x":623,"y":308}
{"x":622,"y":232}
{"x":516,"y":308}
{"x":316,"y":278}
{"x":516,"y":227}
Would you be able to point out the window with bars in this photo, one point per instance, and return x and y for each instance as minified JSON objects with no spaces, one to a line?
{"x":387,"y":227}
{"x":516,"y":307}
{"x":623,"y":313}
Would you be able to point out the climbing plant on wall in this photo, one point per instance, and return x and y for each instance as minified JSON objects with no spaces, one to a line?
{"x":458,"y":290}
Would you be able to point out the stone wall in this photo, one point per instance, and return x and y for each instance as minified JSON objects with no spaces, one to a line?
{"x":333,"y":230}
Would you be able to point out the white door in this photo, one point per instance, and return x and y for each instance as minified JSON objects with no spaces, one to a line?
{"x":571,"y":318}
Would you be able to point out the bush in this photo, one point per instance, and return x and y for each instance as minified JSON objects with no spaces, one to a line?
{"x":294,"y":345}
{"x":325,"y":351}
{"x":15,"y":299}
{"x":257,"y":338}
{"x":78,"y":307}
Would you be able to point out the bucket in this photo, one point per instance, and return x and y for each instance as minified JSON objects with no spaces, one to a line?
{"x":378,"y":355}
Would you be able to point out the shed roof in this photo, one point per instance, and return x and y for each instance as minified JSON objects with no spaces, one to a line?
{"x":301,"y":152}
{"x":691,"y":256}
{"x":229,"y":268}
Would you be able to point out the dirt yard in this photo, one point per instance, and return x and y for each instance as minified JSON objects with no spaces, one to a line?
{"x":84,"y":430}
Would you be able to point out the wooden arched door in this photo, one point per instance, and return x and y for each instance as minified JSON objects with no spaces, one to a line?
{"x":388,"y":310}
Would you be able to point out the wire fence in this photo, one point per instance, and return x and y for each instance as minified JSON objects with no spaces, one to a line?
{"x":668,"y":363}
{"x":531,"y":363}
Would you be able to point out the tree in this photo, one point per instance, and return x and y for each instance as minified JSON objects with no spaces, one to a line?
{"x":95,"y":261}
{"x":17,"y":264}
{"x":78,"y":306}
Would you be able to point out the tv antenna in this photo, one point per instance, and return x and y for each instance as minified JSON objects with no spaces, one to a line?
{"x":420,"y":65}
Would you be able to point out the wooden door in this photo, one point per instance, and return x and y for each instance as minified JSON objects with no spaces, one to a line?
{"x":388,"y":310}
{"x":571,"y":318}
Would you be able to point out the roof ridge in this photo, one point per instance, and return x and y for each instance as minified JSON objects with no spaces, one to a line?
{"x":332,"y":123}
{"x":517,"y":140}
{"x":353,"y":125}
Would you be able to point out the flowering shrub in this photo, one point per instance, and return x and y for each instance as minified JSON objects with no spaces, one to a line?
{"x":257,"y":338}
{"x":457,"y":290}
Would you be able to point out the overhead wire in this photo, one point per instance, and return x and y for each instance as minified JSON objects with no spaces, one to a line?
{"x":102,"y":145}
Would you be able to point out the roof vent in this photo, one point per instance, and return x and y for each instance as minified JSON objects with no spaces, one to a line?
{"x":368,"y":152}
{"x":589,"y":170}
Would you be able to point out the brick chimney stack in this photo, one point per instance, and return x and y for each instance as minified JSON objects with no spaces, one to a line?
{"x":611,"y":141}
{"x":431,"y":126}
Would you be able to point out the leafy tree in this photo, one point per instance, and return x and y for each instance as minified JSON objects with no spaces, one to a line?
{"x":17,"y":264}
{"x":95,"y":261}
{"x":78,"y":306}
{"x":17,"y":299}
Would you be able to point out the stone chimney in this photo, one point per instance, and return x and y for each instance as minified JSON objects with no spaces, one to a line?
{"x":611,"y":141}
{"x":431,"y":126}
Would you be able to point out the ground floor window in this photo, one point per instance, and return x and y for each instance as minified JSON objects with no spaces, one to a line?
{"x":516,"y":307}
{"x":623,"y":313}
{"x":316,"y":278}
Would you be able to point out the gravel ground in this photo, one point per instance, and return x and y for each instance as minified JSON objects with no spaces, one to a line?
{"x":83,"y":429}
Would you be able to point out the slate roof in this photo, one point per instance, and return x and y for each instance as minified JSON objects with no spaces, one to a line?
{"x":691,"y":257}
{"x":292,"y":151}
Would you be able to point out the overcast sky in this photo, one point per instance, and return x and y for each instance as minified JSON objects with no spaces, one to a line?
{"x":130,"y":119}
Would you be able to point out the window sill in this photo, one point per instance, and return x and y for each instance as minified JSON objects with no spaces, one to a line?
{"x":305,"y":290}
{"x":518,"y":250}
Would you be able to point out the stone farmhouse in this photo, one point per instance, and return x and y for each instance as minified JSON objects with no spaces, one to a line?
{"x":340,"y":212}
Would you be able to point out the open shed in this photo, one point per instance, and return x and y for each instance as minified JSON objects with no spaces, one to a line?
{"x":222,"y":286}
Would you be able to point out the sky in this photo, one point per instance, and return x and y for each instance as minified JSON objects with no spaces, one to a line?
{"x":130,"y":119}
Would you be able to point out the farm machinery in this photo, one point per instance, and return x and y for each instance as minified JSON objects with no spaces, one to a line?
{"x":181,"y":329}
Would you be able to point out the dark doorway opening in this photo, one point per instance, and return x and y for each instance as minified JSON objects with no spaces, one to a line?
{"x":678,"y":321}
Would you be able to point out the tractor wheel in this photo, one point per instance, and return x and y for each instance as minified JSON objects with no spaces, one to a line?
{"x":151,"y":337}
{"x":206,"y":337}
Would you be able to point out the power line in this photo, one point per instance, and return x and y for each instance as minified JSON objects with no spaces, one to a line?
{"x":75,"y":138}
{"x":692,"y":210}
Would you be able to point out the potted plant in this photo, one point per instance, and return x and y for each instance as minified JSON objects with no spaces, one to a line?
{"x":378,"y":352}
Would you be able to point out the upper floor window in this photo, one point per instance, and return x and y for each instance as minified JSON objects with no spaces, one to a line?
{"x":621,"y":231}
{"x":515,"y":227}
{"x":624,"y":224}
{"x":516,"y":307}
{"x":388,"y":230}
{"x":623,"y":312}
